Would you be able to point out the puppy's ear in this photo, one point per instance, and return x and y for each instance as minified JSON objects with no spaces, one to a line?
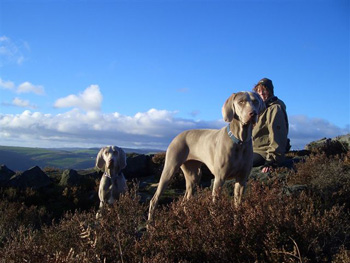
{"x":228,"y":111}
{"x":121,"y":159}
{"x":100,"y":162}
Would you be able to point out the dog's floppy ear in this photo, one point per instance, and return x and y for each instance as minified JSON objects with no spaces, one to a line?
{"x":121,"y":159}
{"x":228,"y":111}
{"x":100,"y":162}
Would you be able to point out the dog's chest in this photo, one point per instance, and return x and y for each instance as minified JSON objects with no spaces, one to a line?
{"x":239,"y":162}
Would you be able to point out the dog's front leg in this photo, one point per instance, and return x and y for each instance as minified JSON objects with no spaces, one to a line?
{"x":103,"y":193}
{"x":238,"y":192}
{"x":217,"y":187}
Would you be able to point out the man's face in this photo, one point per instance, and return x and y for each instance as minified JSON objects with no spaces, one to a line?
{"x":263,"y":92}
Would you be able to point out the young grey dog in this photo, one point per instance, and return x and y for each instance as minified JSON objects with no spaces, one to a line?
{"x":113,"y":183}
{"x":228,"y":152}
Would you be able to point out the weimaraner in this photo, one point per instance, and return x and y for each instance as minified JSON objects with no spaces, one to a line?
{"x":113,"y":183}
{"x":228,"y":152}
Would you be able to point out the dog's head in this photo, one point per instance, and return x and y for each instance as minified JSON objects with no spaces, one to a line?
{"x":245,"y":106}
{"x":111,"y":157}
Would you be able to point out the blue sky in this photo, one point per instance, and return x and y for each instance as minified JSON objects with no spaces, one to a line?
{"x":136,"y":73}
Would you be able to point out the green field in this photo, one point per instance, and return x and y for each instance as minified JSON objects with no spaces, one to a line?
{"x":22,"y":158}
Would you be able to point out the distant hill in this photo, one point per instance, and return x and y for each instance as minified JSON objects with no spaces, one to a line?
{"x":23,"y":158}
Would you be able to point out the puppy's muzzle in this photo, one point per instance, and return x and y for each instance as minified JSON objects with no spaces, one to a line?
{"x":253,"y":116}
{"x":110,"y":163}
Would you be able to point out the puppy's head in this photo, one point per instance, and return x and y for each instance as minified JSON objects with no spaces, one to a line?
{"x":245,"y":106}
{"x":111,"y":157}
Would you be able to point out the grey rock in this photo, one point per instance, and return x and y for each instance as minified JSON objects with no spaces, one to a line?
{"x":5,"y":174}
{"x":70,"y":177}
{"x":137,"y":166}
{"x":342,"y":142}
{"x":33,"y":178}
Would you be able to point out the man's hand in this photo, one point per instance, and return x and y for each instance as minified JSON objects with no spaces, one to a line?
{"x":268,"y":166}
{"x":266,"y":169}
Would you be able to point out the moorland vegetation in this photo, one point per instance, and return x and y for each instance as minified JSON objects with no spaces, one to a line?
{"x":295,"y":214}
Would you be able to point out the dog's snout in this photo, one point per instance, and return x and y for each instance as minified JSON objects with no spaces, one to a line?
{"x":110,"y":163}
{"x":253,"y":113}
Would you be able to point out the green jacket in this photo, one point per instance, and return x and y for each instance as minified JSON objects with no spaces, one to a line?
{"x":271,"y":132}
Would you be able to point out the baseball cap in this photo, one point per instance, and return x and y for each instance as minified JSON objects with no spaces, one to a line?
{"x":267,"y":83}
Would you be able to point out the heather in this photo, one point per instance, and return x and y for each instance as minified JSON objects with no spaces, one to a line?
{"x":295,"y":214}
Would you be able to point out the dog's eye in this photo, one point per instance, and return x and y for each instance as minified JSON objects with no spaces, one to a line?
{"x":255,"y":102}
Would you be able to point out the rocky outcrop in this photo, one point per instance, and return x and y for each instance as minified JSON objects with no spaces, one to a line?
{"x":138,"y":165}
{"x":343,"y":139}
{"x":70,"y":177}
{"x":5,"y":175}
{"x":32,"y":178}
{"x":331,"y":146}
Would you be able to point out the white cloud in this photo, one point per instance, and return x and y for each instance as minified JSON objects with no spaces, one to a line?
{"x":27,"y":87}
{"x":12,"y":53}
{"x":303,"y":130}
{"x":17,"y":102}
{"x":90,"y":100}
{"x":9,"y":85}
{"x":22,"y":103}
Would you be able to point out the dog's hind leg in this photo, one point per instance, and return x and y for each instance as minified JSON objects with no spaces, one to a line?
{"x":165,"y":178}
{"x":175,"y":157}
{"x":192,"y":173}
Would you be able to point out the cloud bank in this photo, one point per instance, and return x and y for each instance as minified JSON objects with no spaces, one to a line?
{"x":75,"y":128}
{"x":303,"y":129}
{"x":152,"y":129}
{"x":84,"y":125}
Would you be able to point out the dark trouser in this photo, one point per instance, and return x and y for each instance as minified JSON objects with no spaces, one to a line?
{"x":258,"y":160}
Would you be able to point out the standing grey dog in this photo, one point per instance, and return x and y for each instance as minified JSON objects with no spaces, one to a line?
{"x":228,"y":152}
{"x":113,"y":183}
